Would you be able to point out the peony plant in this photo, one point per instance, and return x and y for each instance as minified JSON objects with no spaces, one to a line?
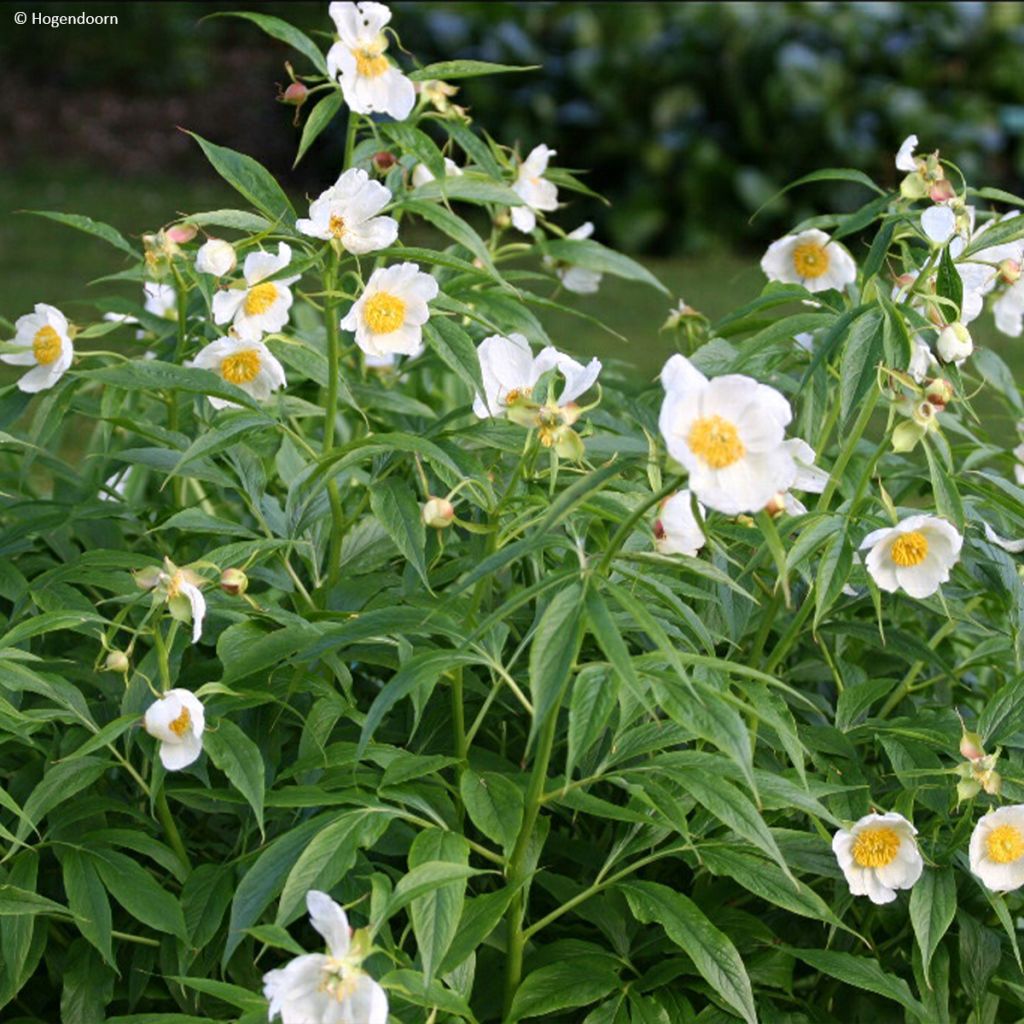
{"x":333,"y":584}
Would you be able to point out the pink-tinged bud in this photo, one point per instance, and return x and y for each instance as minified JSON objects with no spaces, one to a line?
{"x":941,"y":191}
{"x":234,"y":582}
{"x":384,"y":161}
{"x":939,"y":392}
{"x":659,"y":530}
{"x":295,"y":95}
{"x":904,"y":280}
{"x":1009,"y":271}
{"x":970,"y":746}
{"x":438,"y":513}
{"x":181,"y":233}
{"x":117,"y":661}
{"x":776,"y":504}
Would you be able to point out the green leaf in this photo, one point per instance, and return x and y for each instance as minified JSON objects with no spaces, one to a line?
{"x":240,"y":760}
{"x":87,"y":900}
{"x":454,"y":227}
{"x":394,"y":504}
{"x":711,"y":951}
{"x":827,"y":174}
{"x":283,"y":31}
{"x":16,"y":902}
{"x":944,"y":489}
{"x":591,"y":704}
{"x":494,"y":804}
{"x":480,"y":916}
{"x":861,"y":356}
{"x":556,"y":642}
{"x":948,"y":282}
{"x":932,"y":907}
{"x":604,"y":630}
{"x":450,"y":69}
{"x":60,"y":783}
{"x":863,"y":973}
{"x":424,"y":878}
{"x":90,"y":227}
{"x":468,"y":188}
{"x":319,"y":118}
{"x":251,"y":179}
{"x":980,"y":955}
{"x":585,"y":252}
{"x":239,"y":220}
{"x":578,"y":981}
{"x":456,"y":350}
{"x":436,"y":914}
{"x":138,"y":892}
{"x":233,"y":995}
{"x":245,"y":649}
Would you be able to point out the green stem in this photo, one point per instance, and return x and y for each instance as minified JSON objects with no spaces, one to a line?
{"x":849,"y":448}
{"x":163,"y":657}
{"x":623,"y":532}
{"x":331,"y":414}
{"x":459,"y":716}
{"x":171,"y":829}
{"x":517,"y":863}
{"x":178,"y":485}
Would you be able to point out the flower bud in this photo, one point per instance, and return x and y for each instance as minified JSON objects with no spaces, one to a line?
{"x":776,"y":505}
{"x":384,"y":161}
{"x":216,"y":257}
{"x":503,"y":219}
{"x":939,"y":392}
{"x":966,"y":789}
{"x":295,"y":95}
{"x":955,"y":343}
{"x":234,"y":582}
{"x":1009,"y":271}
{"x":568,"y":444}
{"x":179,"y":234}
{"x":970,"y":746}
{"x":992,"y":783}
{"x":941,"y":191}
{"x":117,"y":661}
{"x":438,"y":513}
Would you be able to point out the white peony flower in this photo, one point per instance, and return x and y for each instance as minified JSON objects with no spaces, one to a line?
{"x":177,"y":721}
{"x":510,"y":370}
{"x":370,"y":83}
{"x":421,"y":173}
{"x":330,"y":988}
{"x":347,"y":211}
{"x":216,"y":257}
{"x":809,"y":478}
{"x":534,"y":189}
{"x":1008,"y":310}
{"x":915,"y":556}
{"x":180,"y":589}
{"x":249,"y":365}
{"x":161,"y":300}
{"x":905,"y":159}
{"x":811,"y":259}
{"x":262,"y":306}
{"x":879,"y":855}
{"x":954,"y":344}
{"x":388,"y":317}
{"x":577,"y":279}
{"x":729,"y":434}
{"x":938,"y":223}
{"x":676,"y":530}
{"x":43,"y":334}
{"x":997,"y":848}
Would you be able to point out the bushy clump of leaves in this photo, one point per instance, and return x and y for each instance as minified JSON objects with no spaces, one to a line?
{"x":438,"y":634}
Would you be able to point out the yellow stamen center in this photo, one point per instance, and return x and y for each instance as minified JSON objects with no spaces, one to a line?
{"x":370,"y":63}
{"x":876,"y":847}
{"x":909,"y":549}
{"x":1005,"y":844}
{"x":513,"y":396}
{"x":810,"y":260}
{"x":181,"y":724}
{"x":716,"y":441}
{"x":336,"y":226}
{"x":260,"y":298}
{"x":384,"y":313}
{"x":241,"y":367}
{"x":340,"y":980}
{"x":46,"y":346}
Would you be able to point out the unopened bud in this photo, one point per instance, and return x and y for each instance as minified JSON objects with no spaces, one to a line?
{"x":941,"y":191}
{"x":1009,"y":271}
{"x":234,"y":582}
{"x":295,"y":95}
{"x":503,"y":219}
{"x":966,"y":789}
{"x":776,"y":504}
{"x":182,"y":233}
{"x":438,"y":513}
{"x":992,"y":783}
{"x":939,"y":392}
{"x":117,"y":661}
{"x":970,"y":746}
{"x":384,"y":161}
{"x":955,"y":343}
{"x":216,"y":257}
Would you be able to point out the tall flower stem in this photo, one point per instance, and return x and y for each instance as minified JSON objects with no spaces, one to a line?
{"x":331,"y":412}
{"x":849,"y":448}
{"x":181,"y":293}
{"x":170,"y":829}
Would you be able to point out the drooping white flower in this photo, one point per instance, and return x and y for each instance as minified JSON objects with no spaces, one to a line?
{"x":347,"y":212}
{"x":389,"y":316}
{"x":905,"y":159}
{"x":421,"y":173}
{"x":997,"y":848}
{"x":729,"y":434}
{"x":262,"y":306}
{"x":180,"y":589}
{"x":177,"y":720}
{"x":954,"y":343}
{"x":534,"y":189}
{"x":510,"y":370}
{"x":44,"y":336}
{"x":577,"y":279}
{"x":811,"y":259}
{"x":216,"y":257}
{"x":922,"y":362}
{"x":810,"y":479}
{"x":676,"y":530}
{"x":161,"y":300}
{"x":915,"y":556}
{"x":879,"y":855}
{"x":331,"y":988}
{"x":247,"y":364}
{"x":370,"y":83}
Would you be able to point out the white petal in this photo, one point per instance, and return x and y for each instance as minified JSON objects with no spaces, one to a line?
{"x":330,"y":920}
{"x":905,"y":157}
{"x":938,"y":223}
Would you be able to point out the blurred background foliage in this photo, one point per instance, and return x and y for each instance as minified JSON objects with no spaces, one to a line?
{"x":690,"y":115}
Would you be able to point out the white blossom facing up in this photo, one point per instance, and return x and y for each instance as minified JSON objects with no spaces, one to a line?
{"x":262,"y":306}
{"x":348,"y":211}
{"x":46,"y":346}
{"x":370,"y":83}
{"x":536,"y":192}
{"x":177,"y":720}
{"x":249,"y":365}
{"x":879,"y":855}
{"x":331,"y":987}
{"x":729,"y":434}
{"x":915,"y":556}
{"x":997,"y":848}
{"x":676,"y":530}
{"x":388,"y":317}
{"x":811,"y":259}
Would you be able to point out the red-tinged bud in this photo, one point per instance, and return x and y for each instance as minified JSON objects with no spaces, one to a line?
{"x":295,"y":95}
{"x":384,"y":161}
{"x":438,"y":513}
{"x":776,"y":505}
{"x":941,"y":191}
{"x":939,"y":392}
{"x":1009,"y":271}
{"x":970,"y":746}
{"x":181,"y":233}
{"x":659,"y":530}
{"x":117,"y":661}
{"x":234,"y":582}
